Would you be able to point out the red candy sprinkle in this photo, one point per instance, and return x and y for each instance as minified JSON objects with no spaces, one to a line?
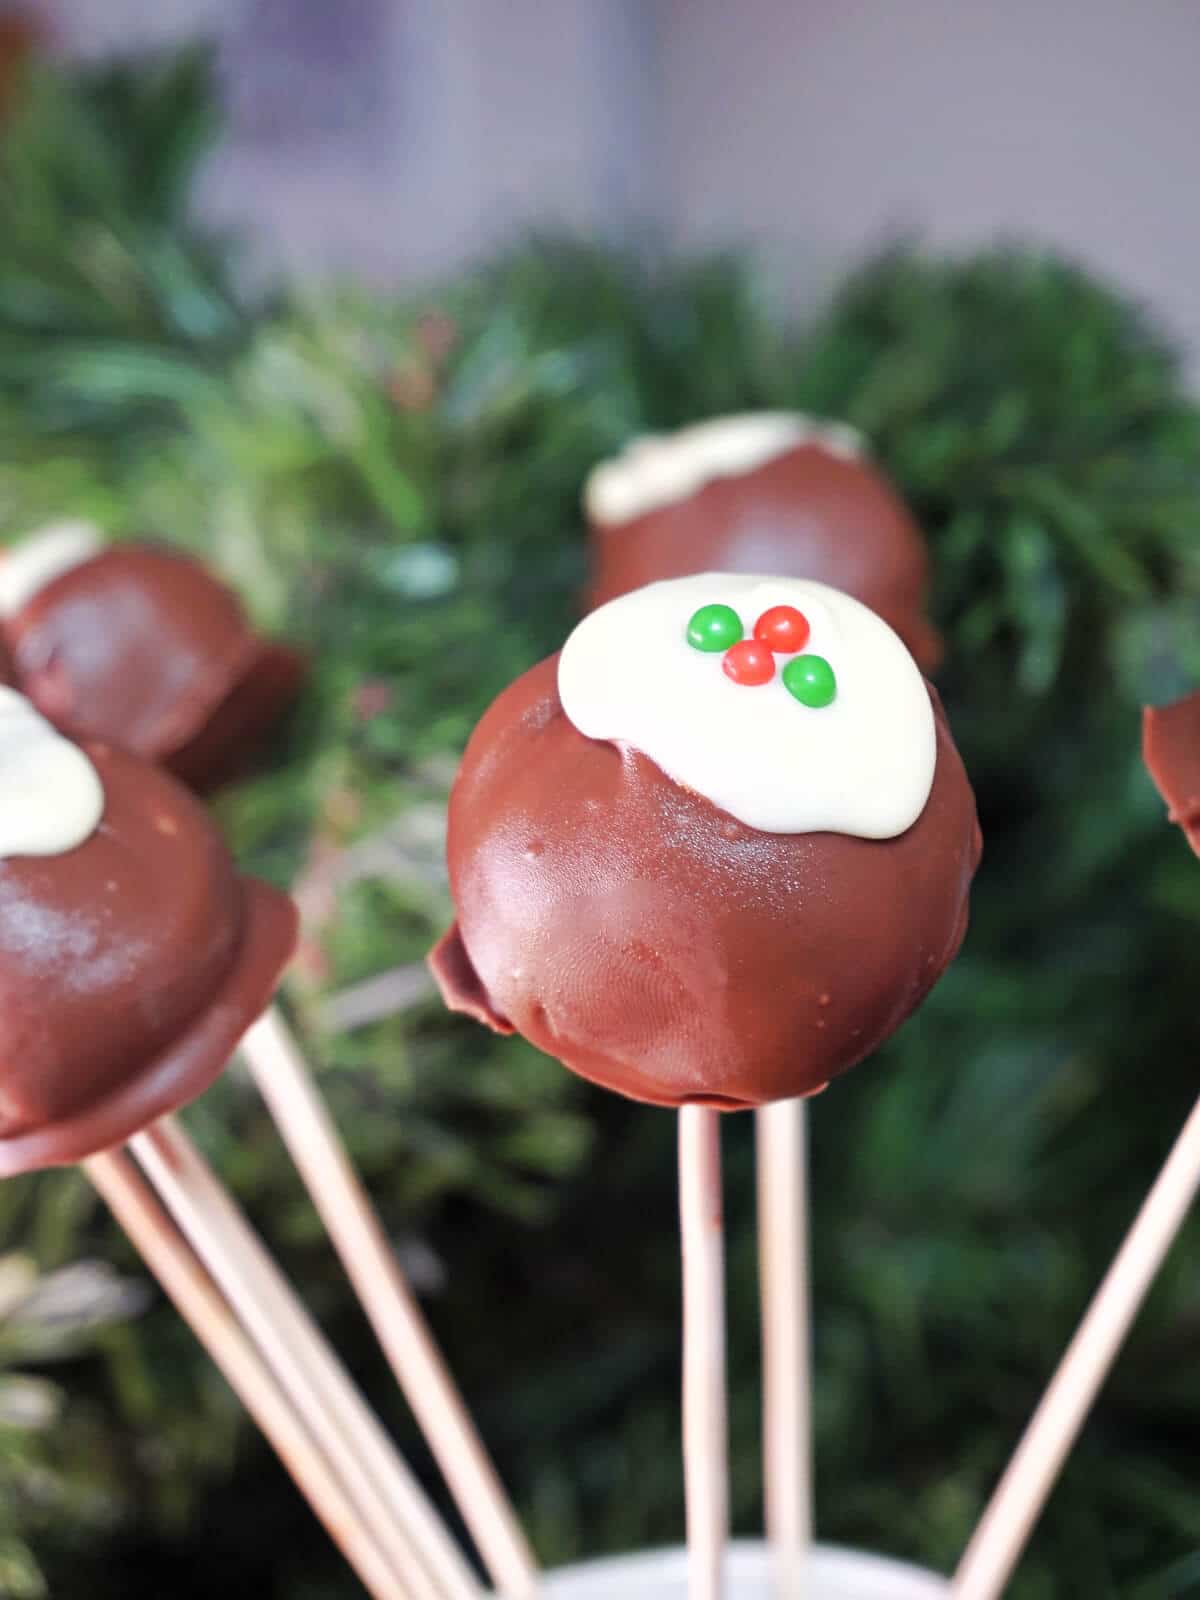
{"x":749,"y":662}
{"x":782,"y":629}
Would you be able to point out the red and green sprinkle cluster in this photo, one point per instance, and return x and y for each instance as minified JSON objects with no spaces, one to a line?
{"x":781,"y":630}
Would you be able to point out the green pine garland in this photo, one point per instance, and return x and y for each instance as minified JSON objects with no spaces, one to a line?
{"x":394,"y":482}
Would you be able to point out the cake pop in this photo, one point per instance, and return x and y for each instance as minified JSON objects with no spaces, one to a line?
{"x":760,"y":492}
{"x":710,"y":856}
{"x":133,"y":959}
{"x":142,"y":647}
{"x":132,"y":954}
{"x":697,"y":878}
{"x":148,"y":649}
{"x":1171,"y":750}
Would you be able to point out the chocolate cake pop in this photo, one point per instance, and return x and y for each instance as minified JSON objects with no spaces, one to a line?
{"x":132,"y":955}
{"x":761,"y":492}
{"x":1171,"y":751}
{"x":168,"y":643}
{"x":142,"y":647}
{"x":714,"y":852}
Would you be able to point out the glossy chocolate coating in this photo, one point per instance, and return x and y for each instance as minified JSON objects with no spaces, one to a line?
{"x":143,"y":648}
{"x":129,"y":969}
{"x":1171,"y":751}
{"x":661,"y":948}
{"x":806,"y":513}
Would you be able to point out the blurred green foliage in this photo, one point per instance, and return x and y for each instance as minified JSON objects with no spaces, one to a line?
{"x":394,"y":481}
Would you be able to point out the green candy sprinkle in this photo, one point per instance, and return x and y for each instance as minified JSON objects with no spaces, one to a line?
{"x":811,"y":680}
{"x":714,"y":628}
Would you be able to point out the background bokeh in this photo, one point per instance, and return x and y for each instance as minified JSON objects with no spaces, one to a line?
{"x":390,"y":474}
{"x":401,"y":139}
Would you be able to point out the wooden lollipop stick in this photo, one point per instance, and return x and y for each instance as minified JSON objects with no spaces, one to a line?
{"x":303,"y":1119}
{"x":705,"y":1426}
{"x":390,"y":1499}
{"x":781,"y":1136}
{"x":1006,"y":1524}
{"x":170,"y":1258}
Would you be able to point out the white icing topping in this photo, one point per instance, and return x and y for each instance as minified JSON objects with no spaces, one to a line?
{"x":862,"y":765}
{"x":51,"y":798}
{"x":659,"y":468}
{"x":43,"y":556}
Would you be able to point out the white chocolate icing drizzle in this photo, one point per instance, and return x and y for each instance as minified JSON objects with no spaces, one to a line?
{"x":51,"y":797}
{"x":862,"y":765}
{"x":659,"y":468}
{"x":35,"y":561}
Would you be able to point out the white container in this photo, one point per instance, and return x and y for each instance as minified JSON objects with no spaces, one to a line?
{"x":831,"y":1574}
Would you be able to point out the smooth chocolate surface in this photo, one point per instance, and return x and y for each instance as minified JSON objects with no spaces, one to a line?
{"x":144,"y":648}
{"x":661,"y":948}
{"x":1171,"y":751}
{"x":129,"y":969}
{"x":807,"y":513}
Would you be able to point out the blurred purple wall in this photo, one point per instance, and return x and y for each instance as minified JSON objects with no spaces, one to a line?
{"x":817,"y":127}
{"x":419,"y":133}
{"x":415,"y":134}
